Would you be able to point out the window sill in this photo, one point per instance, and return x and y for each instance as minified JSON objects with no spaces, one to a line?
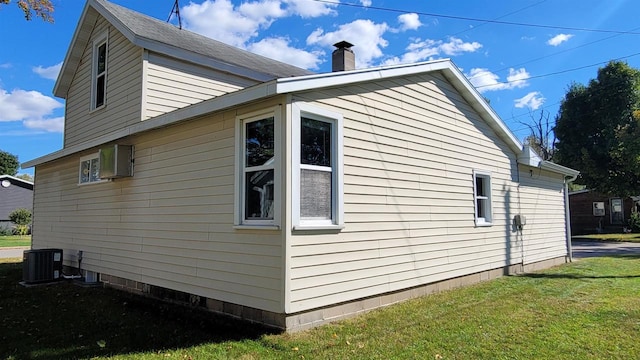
{"x":256,"y":227}
{"x":483,"y":224}
{"x":92,"y":110}
{"x":94,"y":182}
{"x":335,"y":228}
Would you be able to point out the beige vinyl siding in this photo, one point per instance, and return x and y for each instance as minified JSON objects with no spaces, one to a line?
{"x":542,"y":202}
{"x":409,"y":154}
{"x":172,"y":84}
{"x":123,"y":95}
{"x":169,"y":225}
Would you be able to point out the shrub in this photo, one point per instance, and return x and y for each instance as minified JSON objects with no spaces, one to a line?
{"x":22,"y":219}
{"x":20,"y":216}
{"x":5,"y":231}
{"x":634,"y":221}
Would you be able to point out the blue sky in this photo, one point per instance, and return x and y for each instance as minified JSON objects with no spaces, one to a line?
{"x":522,"y":60}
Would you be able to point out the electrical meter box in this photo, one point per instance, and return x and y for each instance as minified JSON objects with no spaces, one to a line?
{"x":116,"y":161}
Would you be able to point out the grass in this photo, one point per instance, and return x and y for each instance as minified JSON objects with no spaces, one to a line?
{"x":14,"y":240}
{"x":584,"y":310}
{"x":631,"y":237}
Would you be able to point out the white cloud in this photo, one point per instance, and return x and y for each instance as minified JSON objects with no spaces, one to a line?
{"x":456,"y":46}
{"x":409,"y":21}
{"x":365,"y":3}
{"x":364,"y":34}
{"x":219,"y":20}
{"x":421,"y":50}
{"x":22,"y":105}
{"x":50,"y":72}
{"x":279,"y":49}
{"x":532,"y":100}
{"x":559,"y":39}
{"x":241,"y":25}
{"x":311,"y":9}
{"x":484,"y":80}
{"x":5,"y":66}
{"x":30,"y":107}
{"x":48,"y":125}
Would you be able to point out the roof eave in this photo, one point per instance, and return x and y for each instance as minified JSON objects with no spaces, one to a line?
{"x":66,"y":72}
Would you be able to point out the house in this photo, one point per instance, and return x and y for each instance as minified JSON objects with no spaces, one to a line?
{"x":15,"y":193}
{"x":259,"y":190}
{"x":592,"y":212}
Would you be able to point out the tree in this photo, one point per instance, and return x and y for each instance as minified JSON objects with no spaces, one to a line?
{"x":598,"y":130}
{"x":8,"y":163}
{"x":541,"y":137}
{"x":26,"y":177}
{"x":39,"y":8}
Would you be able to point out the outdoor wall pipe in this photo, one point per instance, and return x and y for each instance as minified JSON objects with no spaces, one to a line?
{"x":567,"y":213}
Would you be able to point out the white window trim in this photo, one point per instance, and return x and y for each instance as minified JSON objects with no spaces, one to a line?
{"x":83,"y":159}
{"x":239,"y":217}
{"x":479,"y":220}
{"x":299,"y":110}
{"x":101,"y":39}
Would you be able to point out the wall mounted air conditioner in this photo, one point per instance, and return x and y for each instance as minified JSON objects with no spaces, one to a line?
{"x":116,"y":161}
{"x":42,"y":265}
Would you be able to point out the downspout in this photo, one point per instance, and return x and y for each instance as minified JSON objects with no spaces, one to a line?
{"x":567,"y":213}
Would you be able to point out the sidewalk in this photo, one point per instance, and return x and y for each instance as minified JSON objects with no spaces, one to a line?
{"x":12,"y":252}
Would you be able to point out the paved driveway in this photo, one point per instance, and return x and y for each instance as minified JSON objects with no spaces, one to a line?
{"x":12,"y":252}
{"x":585,"y":249}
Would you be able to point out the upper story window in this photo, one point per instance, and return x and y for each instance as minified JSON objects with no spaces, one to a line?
{"x":89,"y":169}
{"x":99,"y":76}
{"x":317,"y":193}
{"x":482,"y":197}
{"x":257,"y":180}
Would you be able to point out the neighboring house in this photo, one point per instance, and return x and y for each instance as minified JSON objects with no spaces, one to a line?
{"x":278,"y":196}
{"x":592,"y":212}
{"x":15,"y":193}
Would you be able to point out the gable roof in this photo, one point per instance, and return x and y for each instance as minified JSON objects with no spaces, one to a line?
{"x":17,"y":181}
{"x":318,"y":81}
{"x":165,"y":38}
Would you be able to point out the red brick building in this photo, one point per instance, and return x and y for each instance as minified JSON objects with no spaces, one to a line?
{"x":592,"y":212}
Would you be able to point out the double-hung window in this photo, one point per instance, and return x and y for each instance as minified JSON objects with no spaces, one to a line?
{"x":317,"y":190}
{"x":99,"y":73}
{"x":482,"y":198}
{"x":257,"y":180}
{"x":89,"y":169}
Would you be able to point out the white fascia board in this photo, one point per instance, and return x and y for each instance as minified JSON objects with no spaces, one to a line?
{"x":57,"y":87}
{"x":316,"y":81}
{"x":16,"y":179}
{"x":205,"y":107}
{"x":451,"y":72}
{"x":476,"y":100}
{"x":553,"y":167}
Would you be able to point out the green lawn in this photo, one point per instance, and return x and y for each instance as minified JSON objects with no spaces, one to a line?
{"x":14,"y":240}
{"x":631,"y":237}
{"x":585,"y":310}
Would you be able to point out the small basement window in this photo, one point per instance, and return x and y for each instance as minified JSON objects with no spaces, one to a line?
{"x":482,"y":198}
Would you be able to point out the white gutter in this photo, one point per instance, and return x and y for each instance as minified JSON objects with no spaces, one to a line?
{"x":567,"y":213}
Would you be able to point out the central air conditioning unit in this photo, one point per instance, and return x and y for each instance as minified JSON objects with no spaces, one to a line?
{"x":42,"y":265}
{"x":116,"y":161}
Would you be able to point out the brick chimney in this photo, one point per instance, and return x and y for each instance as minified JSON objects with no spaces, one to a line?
{"x":343,"y":57}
